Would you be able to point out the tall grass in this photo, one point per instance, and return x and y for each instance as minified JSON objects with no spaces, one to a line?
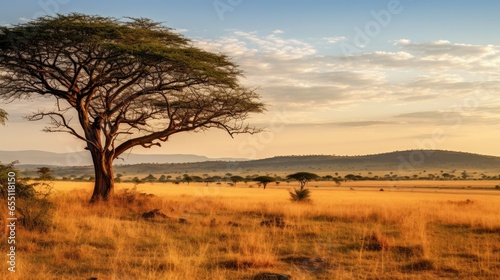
{"x":340,"y":235}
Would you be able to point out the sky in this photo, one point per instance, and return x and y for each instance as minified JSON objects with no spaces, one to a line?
{"x":339,"y":77}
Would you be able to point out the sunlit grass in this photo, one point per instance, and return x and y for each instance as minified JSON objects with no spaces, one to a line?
{"x":342,"y":234}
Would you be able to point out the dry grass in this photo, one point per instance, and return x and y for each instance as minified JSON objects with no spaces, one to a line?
{"x":342,"y":234}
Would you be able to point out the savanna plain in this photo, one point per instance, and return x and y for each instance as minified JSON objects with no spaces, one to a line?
{"x":240,"y":232}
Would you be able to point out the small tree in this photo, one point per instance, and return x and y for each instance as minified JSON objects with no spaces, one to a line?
{"x":197,"y":179}
{"x":136,"y":181}
{"x":301,"y":194}
{"x":328,"y":177}
{"x":162,"y":179}
{"x":208,"y":180}
{"x":264,"y":180}
{"x":235,"y":179}
{"x":303,"y":178}
{"x":352,"y":177}
{"x":44,"y":173}
{"x":150,"y":178}
{"x":118,"y":178}
{"x":188,"y":179}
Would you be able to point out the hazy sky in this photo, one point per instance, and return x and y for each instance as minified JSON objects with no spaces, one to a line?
{"x":340,"y":77}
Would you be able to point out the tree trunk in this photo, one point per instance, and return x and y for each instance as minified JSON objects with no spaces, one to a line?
{"x":104,"y":177}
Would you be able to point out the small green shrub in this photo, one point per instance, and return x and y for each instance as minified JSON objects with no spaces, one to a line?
{"x":300,"y":195}
{"x":36,"y":211}
{"x":32,"y":204}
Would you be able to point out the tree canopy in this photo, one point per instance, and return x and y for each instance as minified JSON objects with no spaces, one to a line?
{"x":303,"y":177}
{"x":45,"y":173}
{"x":121,"y":83}
{"x":235,"y":179}
{"x":264,"y":180}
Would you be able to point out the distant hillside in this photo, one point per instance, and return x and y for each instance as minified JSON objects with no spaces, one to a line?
{"x":403,"y":162}
{"x":33,"y":159}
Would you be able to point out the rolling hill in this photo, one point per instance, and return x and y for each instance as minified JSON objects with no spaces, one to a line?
{"x":400,"y":162}
{"x":35,"y":158}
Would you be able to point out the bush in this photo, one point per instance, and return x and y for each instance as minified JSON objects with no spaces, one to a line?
{"x":36,"y":211}
{"x":33,"y":205}
{"x":23,"y":190}
{"x":300,"y":195}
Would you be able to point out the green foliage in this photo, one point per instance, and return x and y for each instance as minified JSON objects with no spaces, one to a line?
{"x":188,"y":179}
{"x":303,"y":177}
{"x":264,"y":180}
{"x":44,"y":173}
{"x":162,"y":179}
{"x":23,"y":190}
{"x":149,"y":178}
{"x":137,"y":181}
{"x":33,"y":204}
{"x":235,"y":179}
{"x":37,"y":210}
{"x":118,"y":177}
{"x":353,"y":177}
{"x":300,"y":195}
{"x":197,"y":178}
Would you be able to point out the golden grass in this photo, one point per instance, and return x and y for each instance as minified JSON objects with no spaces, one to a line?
{"x":342,"y":234}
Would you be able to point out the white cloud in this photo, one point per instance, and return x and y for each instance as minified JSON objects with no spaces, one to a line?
{"x":402,"y":42}
{"x":290,"y":73}
{"x":335,"y":40}
{"x":278,"y":31}
{"x":249,"y":44}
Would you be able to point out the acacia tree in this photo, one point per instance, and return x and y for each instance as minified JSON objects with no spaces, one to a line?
{"x":45,"y":173}
{"x":120,"y":84}
{"x":264,"y":180}
{"x":235,"y":179}
{"x":302,"y":194}
{"x":303,"y":178}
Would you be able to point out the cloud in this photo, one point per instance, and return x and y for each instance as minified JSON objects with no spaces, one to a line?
{"x":246,"y":44}
{"x":335,"y":40}
{"x":443,"y":49}
{"x":298,"y":75}
{"x":363,"y":123}
{"x":422,"y":115}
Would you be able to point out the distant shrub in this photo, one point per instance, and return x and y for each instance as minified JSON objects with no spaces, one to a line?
{"x":300,"y":195}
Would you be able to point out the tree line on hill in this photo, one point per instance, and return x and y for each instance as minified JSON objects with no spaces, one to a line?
{"x":46,"y":173}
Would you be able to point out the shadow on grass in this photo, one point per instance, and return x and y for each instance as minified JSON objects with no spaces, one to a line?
{"x":420,"y":265}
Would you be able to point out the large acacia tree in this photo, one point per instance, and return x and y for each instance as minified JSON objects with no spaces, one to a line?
{"x":120,"y":84}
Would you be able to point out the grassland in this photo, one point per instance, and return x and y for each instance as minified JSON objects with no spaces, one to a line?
{"x":425,"y":231}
